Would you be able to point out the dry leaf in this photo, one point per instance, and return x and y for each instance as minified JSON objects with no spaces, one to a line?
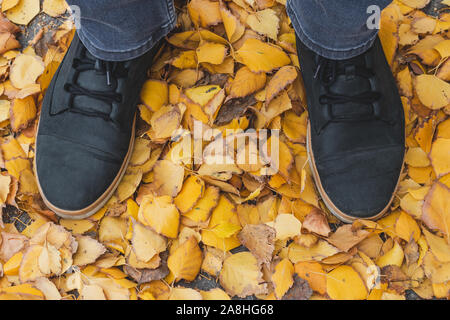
{"x":241,"y":275}
{"x":260,"y":240}
{"x":186,"y":260}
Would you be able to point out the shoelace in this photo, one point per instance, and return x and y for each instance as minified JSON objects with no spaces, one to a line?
{"x":327,"y":72}
{"x":112,"y":70}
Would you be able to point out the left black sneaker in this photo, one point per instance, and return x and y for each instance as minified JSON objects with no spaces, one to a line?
{"x":356,"y":132}
{"x":86,"y":130}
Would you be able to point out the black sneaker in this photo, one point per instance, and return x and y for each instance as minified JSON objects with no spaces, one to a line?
{"x":86,"y":130}
{"x":356,"y":132}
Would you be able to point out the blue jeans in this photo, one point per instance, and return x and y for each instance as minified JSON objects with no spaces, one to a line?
{"x":125,"y":29}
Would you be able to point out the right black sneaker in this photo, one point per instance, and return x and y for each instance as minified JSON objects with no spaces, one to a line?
{"x":356,"y":132}
{"x":86,"y":130}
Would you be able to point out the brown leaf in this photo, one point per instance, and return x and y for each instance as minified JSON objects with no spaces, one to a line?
{"x":345,"y":238}
{"x":260,"y":240}
{"x":317,"y":222}
{"x":411,"y":252}
{"x":233,"y":109}
{"x":8,"y":42}
{"x":299,"y":291}
{"x":11,"y":244}
{"x":7,"y":26}
{"x":147,"y":275}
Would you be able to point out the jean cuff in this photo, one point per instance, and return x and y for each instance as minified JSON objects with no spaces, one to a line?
{"x":131,"y":53}
{"x":323,"y":50}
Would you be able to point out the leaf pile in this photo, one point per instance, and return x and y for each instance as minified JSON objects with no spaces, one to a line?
{"x":230,"y":65}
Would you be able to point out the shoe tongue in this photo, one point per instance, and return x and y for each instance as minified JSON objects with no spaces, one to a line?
{"x":351,"y":85}
{"x":92,"y":80}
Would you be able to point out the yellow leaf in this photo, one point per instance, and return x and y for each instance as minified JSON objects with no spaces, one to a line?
{"x":260,"y":56}
{"x":202,"y":94}
{"x":436,"y":208}
{"x":24,"y":11}
{"x":204,"y":13}
{"x":435,"y":270}
{"x":184,"y":294}
{"x":287,"y":226}
{"x":192,"y":190}
{"x":215,"y":294}
{"x":29,"y":268}
{"x":233,"y":27}
{"x":92,"y":292}
{"x":77,"y":226}
{"x":146,"y":242}
{"x":25,"y":69}
{"x":416,"y":157}
{"x":112,"y":228}
{"x":406,"y":227}
{"x":5,"y":105}
{"x":241,"y":276}
{"x":89,"y":249}
{"x":264,"y":22}
{"x":211,"y":52}
{"x":25,"y":288}
{"x":439,"y":247}
{"x":440,"y":153}
{"x":48,"y":288}
{"x":11,"y":267}
{"x":155,"y":94}
{"x":166,"y":121}
{"x":161,"y":214}
{"x":128,"y":185}
{"x":8,"y":4}
{"x":246,"y":82}
{"x":317,"y":252}
{"x":393,"y":257}
{"x":168,"y":178}
{"x":209,"y":238}
{"x":202,"y":210}
{"x":284,"y":77}
{"x":314,"y":274}
{"x":5,"y":182}
{"x":186,"y":260}
{"x":22,"y":112}
{"x":423,"y":25}
{"x":225,"y":230}
{"x":388,"y":32}
{"x":433,"y":92}
{"x":443,"y":48}
{"x":54,"y":8}
{"x":185,"y":60}
{"x":283,"y":277}
{"x":141,"y":152}
{"x":344,"y":283}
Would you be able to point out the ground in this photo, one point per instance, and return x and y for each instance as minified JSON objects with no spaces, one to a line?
{"x":180,"y":230}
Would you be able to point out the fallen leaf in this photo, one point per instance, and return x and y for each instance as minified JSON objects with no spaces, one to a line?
{"x":241,"y":275}
{"x":260,"y":240}
{"x":344,"y":283}
{"x":282,"y":278}
{"x":185,"y":262}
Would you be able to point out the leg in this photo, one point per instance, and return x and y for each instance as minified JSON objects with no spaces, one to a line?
{"x":334,"y":29}
{"x":86,"y":128}
{"x":123,"y":29}
{"x":356,"y":131}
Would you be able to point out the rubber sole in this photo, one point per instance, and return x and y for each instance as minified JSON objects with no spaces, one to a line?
{"x":102,"y":200}
{"x":328,"y":203}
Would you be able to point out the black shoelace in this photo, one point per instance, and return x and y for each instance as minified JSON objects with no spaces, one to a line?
{"x":112,"y":70}
{"x":328,"y":70}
